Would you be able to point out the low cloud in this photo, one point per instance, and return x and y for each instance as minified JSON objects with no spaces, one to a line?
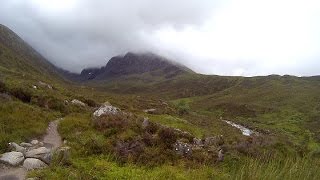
{"x":212,"y":37}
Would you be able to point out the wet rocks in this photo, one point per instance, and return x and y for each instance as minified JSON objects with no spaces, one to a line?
{"x":12,"y":158}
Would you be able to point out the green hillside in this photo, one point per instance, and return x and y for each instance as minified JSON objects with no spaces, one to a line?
{"x":283,"y":111}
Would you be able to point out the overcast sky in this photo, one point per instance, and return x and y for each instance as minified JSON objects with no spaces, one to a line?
{"x":224,"y":37}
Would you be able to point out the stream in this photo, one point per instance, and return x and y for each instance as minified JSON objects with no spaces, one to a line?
{"x":245,"y":131}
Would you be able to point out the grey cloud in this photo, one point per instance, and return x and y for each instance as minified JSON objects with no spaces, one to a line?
{"x":93,"y":31}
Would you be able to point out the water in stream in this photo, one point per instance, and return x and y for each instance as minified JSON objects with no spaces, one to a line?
{"x":245,"y":131}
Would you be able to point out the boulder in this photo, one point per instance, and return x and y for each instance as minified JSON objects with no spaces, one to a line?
{"x":78,"y":103}
{"x":32,"y":163}
{"x":106,"y":109}
{"x":14,"y":146}
{"x":41,"y":153}
{"x":12,"y":158}
{"x":26,"y":145}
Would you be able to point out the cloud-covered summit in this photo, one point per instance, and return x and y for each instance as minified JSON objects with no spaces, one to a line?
{"x":214,"y":37}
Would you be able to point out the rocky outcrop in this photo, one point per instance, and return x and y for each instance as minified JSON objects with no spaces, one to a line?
{"x":106,"y":109}
{"x":12,"y":158}
{"x":135,"y":63}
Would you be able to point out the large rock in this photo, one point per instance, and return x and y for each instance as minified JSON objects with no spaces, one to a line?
{"x":41,"y":153}
{"x":106,"y":109}
{"x":78,"y":103}
{"x":12,"y":158}
{"x":32,"y":163}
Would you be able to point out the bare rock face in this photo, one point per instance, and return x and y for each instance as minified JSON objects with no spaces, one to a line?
{"x":12,"y":158}
{"x":32,"y":163}
{"x":106,"y":109}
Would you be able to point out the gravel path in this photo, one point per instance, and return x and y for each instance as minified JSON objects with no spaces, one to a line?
{"x":51,"y":139}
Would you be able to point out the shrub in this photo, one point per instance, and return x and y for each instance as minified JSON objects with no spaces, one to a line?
{"x":3,"y":87}
{"x":183,"y":107}
{"x":116,"y":121}
{"x":90,"y":102}
{"x":167,"y":136}
{"x":21,"y":94}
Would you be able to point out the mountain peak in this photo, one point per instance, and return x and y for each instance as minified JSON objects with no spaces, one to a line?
{"x":135,"y":64}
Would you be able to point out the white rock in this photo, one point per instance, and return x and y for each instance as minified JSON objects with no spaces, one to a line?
{"x":105,"y":110}
{"x":12,"y":158}
{"x":34,"y":142}
{"x":77,"y":102}
{"x":32,"y":163}
{"x":150,"y":111}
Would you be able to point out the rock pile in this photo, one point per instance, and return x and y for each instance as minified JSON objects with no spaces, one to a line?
{"x":31,"y":155}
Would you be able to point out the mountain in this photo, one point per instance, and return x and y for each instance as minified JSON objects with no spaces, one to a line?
{"x":135,"y":64}
{"x":18,"y":56}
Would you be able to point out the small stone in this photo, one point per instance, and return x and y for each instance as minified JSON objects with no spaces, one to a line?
{"x":220,"y":155}
{"x":32,"y":163}
{"x":150,"y":111}
{"x":34,"y":142}
{"x":12,"y":158}
{"x":145,"y":123}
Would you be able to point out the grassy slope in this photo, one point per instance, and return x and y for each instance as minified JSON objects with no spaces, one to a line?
{"x":285,"y":108}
